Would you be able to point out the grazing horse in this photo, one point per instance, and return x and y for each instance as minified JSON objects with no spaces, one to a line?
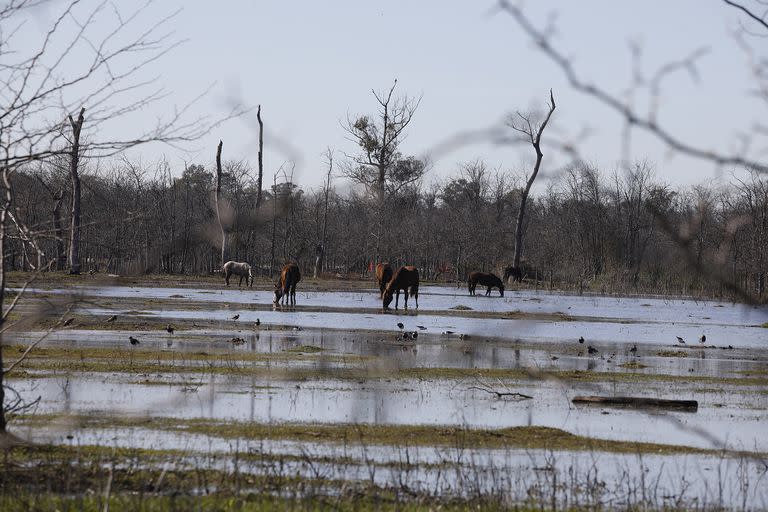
{"x":406,"y":279}
{"x":489,"y":280}
{"x":286,"y":289}
{"x":515,"y":272}
{"x":383,"y":276}
{"x":239,"y":269}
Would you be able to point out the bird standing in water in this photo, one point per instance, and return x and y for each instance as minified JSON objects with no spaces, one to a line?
{"x":680,"y":340}
{"x":170,"y":329}
{"x":236,"y":317}
{"x":133,"y":340}
{"x":703,"y":338}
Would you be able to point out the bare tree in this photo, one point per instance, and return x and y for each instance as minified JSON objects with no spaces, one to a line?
{"x":261,"y":158}
{"x":223,"y":223}
{"x":74,"y":163}
{"x":320,"y":250}
{"x":531,"y":130}
{"x":379,"y":139}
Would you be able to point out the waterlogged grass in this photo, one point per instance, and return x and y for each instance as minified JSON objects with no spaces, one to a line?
{"x":59,"y":360}
{"x":522,"y":437}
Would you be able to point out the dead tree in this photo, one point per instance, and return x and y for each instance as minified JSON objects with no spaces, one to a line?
{"x":74,"y":162}
{"x":261,"y":160}
{"x":531,"y":131}
{"x":218,"y":202}
{"x":320,"y":251}
{"x":58,"y":198}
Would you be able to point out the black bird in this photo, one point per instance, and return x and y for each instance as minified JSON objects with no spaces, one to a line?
{"x":112,"y":318}
{"x":633,"y":349}
{"x":236,"y":317}
{"x":581,"y":339}
{"x":703,"y":338}
{"x":400,"y":325}
{"x":680,"y":340}
{"x":133,"y":340}
{"x":421,"y":327}
{"x":415,"y":334}
{"x":258,"y":322}
{"x":68,"y":321}
{"x":170,"y":329}
{"x":591,"y":350}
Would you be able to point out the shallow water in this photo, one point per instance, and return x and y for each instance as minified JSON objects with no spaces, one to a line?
{"x":696,"y":480}
{"x":723,"y":419}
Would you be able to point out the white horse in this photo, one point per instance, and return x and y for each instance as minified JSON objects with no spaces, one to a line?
{"x":239,"y":269}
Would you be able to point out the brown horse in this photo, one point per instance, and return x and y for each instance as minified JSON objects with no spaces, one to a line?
{"x":406,"y":279}
{"x":483,"y":279}
{"x":515,"y":273}
{"x":383,"y":276}
{"x":286,"y":289}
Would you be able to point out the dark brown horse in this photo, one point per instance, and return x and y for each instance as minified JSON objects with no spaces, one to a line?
{"x":383,"y":276}
{"x":406,"y":279}
{"x":483,"y":279}
{"x":515,"y":273}
{"x":286,"y":289}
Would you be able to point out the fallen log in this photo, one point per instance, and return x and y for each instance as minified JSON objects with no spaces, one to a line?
{"x":633,"y":401}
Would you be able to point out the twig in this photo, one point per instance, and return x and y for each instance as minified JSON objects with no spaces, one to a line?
{"x":502,"y":394}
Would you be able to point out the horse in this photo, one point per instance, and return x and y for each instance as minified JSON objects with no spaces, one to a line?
{"x":383,"y":276}
{"x":489,"y":280}
{"x":406,"y":279}
{"x":239,"y":269}
{"x":515,"y":272}
{"x":286,"y":289}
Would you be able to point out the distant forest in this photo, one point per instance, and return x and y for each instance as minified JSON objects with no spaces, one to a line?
{"x":585,"y":229}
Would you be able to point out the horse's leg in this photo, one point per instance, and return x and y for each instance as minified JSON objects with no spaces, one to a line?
{"x":415,"y":290}
{"x":405,"y":294}
{"x":226,"y":278}
{"x":488,"y":292}
{"x":397,"y":298}
{"x":240,"y":284}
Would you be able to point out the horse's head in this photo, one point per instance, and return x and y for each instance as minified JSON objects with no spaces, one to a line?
{"x":278,"y":294}
{"x":387,"y":298}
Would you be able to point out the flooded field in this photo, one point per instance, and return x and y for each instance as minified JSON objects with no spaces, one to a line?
{"x":470,"y":396}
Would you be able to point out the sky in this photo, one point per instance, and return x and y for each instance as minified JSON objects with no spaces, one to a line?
{"x":311,"y":64}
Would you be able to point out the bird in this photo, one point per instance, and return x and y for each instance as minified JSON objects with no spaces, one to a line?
{"x":554,"y":358}
{"x":581,"y":339}
{"x":170,"y":329}
{"x":415,"y":334}
{"x":68,"y":321}
{"x":421,"y":327}
{"x":258,"y":322}
{"x":633,"y":349}
{"x":400,"y":325}
{"x":112,"y":318}
{"x":680,"y":340}
{"x":591,"y":350}
{"x":133,"y":340}
{"x":703,"y":338}
{"x":236,"y":317}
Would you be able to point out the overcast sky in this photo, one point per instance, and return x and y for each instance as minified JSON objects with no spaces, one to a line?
{"x":310,"y":64}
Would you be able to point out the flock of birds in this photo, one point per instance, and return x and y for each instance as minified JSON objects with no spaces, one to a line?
{"x":170,"y":329}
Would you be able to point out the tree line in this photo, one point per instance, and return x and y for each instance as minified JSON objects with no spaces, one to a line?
{"x":586,"y":228}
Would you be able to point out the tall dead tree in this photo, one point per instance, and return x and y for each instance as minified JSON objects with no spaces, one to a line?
{"x":261,"y":160}
{"x":74,"y":174}
{"x":217,"y":201}
{"x":320,"y":251}
{"x":58,"y":198}
{"x":532,"y":130}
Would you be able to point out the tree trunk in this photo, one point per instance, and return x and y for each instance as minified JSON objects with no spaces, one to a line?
{"x":217,"y":199}
{"x":535,"y":139}
{"x":61,"y":251}
{"x":3,"y":240}
{"x":261,"y":161}
{"x":74,"y":240}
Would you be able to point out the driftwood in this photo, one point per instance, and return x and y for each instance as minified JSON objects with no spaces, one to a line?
{"x":632,"y":401}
